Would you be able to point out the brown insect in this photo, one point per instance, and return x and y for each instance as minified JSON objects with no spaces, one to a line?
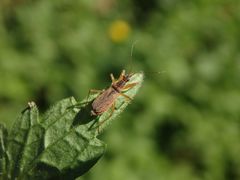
{"x":107,"y":98}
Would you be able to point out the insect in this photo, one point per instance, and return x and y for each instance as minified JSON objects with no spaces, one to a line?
{"x":107,"y":98}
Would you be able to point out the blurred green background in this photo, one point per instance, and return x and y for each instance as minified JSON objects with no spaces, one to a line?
{"x":183,"y":125}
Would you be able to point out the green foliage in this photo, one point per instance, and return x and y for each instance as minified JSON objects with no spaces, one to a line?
{"x":60,"y":144}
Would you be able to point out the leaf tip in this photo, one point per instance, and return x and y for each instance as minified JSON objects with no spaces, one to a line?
{"x":31,"y":104}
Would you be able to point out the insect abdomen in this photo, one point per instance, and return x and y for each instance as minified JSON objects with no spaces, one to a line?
{"x":104,"y":101}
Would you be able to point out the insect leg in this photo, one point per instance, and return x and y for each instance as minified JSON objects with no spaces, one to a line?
{"x":122,"y":74}
{"x":112,"y":78}
{"x":92,"y":91}
{"x":95,"y":91}
{"x":128,"y":86}
{"x":126,"y":96}
{"x":111,"y":113}
{"x":112,"y":110}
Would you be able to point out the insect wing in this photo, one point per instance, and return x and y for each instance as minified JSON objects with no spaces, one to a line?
{"x":104,"y":101}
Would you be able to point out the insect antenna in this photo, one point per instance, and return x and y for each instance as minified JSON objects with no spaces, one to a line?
{"x":151,"y":73}
{"x":155,"y":72}
{"x":130,"y":67}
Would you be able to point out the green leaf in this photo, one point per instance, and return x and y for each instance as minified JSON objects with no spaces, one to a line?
{"x":24,"y":142}
{"x":3,"y":157}
{"x":62,"y":144}
{"x":68,"y":150}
